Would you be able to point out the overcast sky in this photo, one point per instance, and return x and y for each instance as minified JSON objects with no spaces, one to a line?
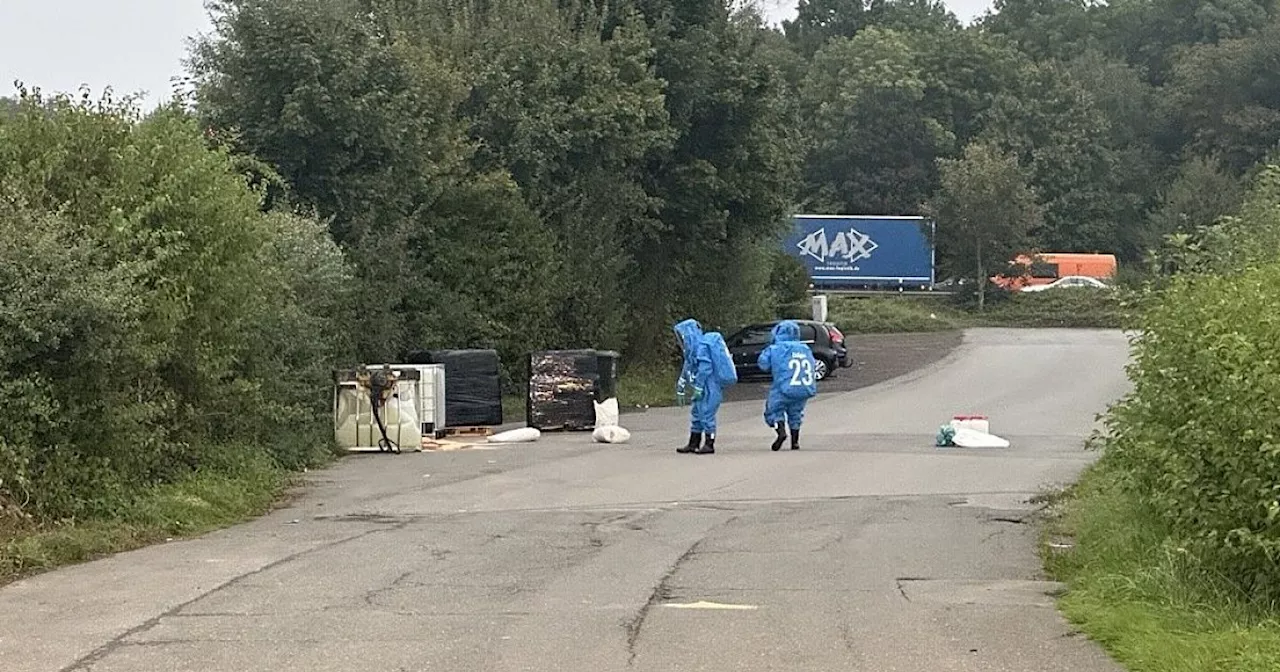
{"x":138,"y":45}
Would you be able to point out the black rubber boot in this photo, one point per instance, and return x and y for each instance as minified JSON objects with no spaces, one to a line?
{"x":782,"y":437}
{"x":795,"y":439}
{"x":708,"y":447}
{"x":694,"y":439}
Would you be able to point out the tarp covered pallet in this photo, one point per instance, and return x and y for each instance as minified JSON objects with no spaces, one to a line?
{"x":473,"y":393}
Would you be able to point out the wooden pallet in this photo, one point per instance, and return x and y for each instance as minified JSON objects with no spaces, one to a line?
{"x":468,"y":431}
{"x":440,"y":445}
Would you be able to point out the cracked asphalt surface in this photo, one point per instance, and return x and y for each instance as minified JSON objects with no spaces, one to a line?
{"x":868,"y":549}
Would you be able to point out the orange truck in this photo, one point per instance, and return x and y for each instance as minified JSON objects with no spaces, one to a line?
{"x":1047,"y":267}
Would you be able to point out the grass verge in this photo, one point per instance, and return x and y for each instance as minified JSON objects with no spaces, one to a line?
{"x":1080,"y":309}
{"x":1141,"y":597}
{"x":199,"y":504}
{"x":1063,"y":308}
{"x":894,"y":315}
{"x":647,"y":385}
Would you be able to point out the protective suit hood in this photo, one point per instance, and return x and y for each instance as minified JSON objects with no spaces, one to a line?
{"x":785,"y":331}
{"x":690,"y":333}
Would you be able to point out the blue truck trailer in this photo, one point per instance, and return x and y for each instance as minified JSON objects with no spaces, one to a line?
{"x":864,"y":251}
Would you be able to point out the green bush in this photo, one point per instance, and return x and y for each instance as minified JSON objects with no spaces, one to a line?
{"x":1199,"y":437}
{"x":156,"y":325}
{"x":1200,"y":433}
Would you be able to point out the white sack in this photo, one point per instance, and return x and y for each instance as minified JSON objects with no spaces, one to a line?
{"x":607,"y":413}
{"x":611,"y":434}
{"x":522,"y":435}
{"x":972,"y":438}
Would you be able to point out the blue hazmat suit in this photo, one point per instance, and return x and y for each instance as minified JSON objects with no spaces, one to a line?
{"x":793,"y":368}
{"x":708,"y":369}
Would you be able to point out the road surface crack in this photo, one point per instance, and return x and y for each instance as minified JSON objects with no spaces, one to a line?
{"x":662,"y":592}
{"x":370,"y":598}
{"x":902,"y":585}
{"x":88,"y":661}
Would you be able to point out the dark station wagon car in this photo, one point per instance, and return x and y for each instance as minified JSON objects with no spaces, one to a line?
{"x":824,"y":339}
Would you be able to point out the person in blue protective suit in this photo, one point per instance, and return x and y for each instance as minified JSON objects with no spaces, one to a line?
{"x":792,"y":366}
{"x":707,"y":369}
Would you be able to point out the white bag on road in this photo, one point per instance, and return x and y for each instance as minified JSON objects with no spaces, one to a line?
{"x":611,"y":434}
{"x":972,"y":438}
{"x":522,"y":435}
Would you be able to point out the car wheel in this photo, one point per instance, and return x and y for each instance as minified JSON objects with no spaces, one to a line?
{"x":822,"y":370}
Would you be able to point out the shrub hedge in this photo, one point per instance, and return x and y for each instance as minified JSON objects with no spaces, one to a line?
{"x":1199,"y":436}
{"x":156,"y":323}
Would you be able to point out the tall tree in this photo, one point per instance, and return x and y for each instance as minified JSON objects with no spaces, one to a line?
{"x":965,"y":72}
{"x":818,"y":21}
{"x":872,"y":146}
{"x":1150,"y":34}
{"x":727,"y":182}
{"x":1202,"y":193}
{"x":983,"y":212}
{"x":1227,"y":97}
{"x":1061,"y":137}
{"x":573,"y":118}
{"x":1046,"y":29}
{"x":363,"y":124}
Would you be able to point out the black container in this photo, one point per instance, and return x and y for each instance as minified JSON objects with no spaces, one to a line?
{"x":607,"y":367}
{"x":562,"y":389}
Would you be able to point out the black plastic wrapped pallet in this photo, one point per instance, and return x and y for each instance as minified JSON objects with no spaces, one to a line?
{"x":472,"y":383}
{"x":562,"y":389}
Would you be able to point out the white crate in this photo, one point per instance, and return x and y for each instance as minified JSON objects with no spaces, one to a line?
{"x":429,"y":392}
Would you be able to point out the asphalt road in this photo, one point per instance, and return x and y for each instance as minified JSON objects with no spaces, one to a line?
{"x":869,"y":549}
{"x":874,"y":359}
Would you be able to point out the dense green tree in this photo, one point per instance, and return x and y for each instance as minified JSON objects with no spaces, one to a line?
{"x":727,"y":182}
{"x":1201,"y":194}
{"x":573,"y":118}
{"x":964,"y":73}
{"x":1063,"y":140}
{"x":363,"y":125}
{"x":1046,"y":29}
{"x":818,"y":21}
{"x":1141,"y":138}
{"x":1151,"y":34}
{"x":1120,"y":57}
{"x":872,"y":145}
{"x":635,"y":156}
{"x":984,"y":212}
{"x":1227,"y":98}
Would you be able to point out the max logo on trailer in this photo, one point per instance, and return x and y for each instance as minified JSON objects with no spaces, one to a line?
{"x":850,"y":246}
